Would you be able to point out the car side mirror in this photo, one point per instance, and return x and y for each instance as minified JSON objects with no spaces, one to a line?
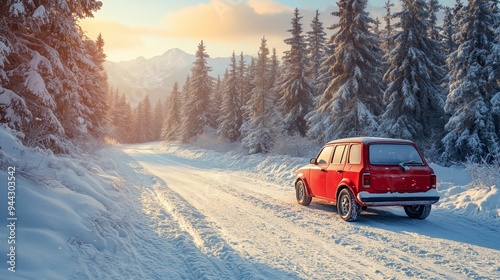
{"x":313,"y":161}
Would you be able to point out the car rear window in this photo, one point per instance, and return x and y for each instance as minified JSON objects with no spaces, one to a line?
{"x":394,"y":154}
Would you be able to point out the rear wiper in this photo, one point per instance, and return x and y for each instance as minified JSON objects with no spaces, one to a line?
{"x":403,"y":166}
{"x":411,"y":162}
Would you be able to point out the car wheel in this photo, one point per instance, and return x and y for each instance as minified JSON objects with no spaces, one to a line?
{"x":418,"y":211}
{"x":301,"y":193}
{"x":347,"y":207}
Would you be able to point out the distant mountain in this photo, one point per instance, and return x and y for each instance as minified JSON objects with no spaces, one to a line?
{"x":156,"y":76}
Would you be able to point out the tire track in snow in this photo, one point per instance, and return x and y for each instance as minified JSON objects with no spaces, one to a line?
{"x":220,"y":261}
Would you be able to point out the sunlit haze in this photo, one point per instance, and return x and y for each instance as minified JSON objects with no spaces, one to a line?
{"x":148,"y":28}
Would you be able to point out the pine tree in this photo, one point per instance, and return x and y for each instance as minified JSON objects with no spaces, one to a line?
{"x":172,"y":115}
{"x":259,"y":130}
{"x":324,"y":77}
{"x":376,"y":28}
{"x":78,"y":97}
{"x":111,"y":114}
{"x":125,"y":123}
{"x":119,"y":117}
{"x":473,"y":102}
{"x":414,"y":98}
{"x":353,"y":99}
{"x":27,"y":103}
{"x":387,"y":44}
{"x":97,"y":84}
{"x":232,"y":117}
{"x":146,"y":121}
{"x":448,"y":31}
{"x":274,"y":73}
{"x":433,"y":30}
{"x":158,"y":117}
{"x":296,"y":94}
{"x":316,"y":40}
{"x":197,"y":101}
{"x":49,"y":72}
{"x":242,"y":82}
{"x":215,"y":108}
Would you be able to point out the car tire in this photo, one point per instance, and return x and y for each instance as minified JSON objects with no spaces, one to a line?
{"x":418,"y":211}
{"x":347,"y":207}
{"x":301,"y":193}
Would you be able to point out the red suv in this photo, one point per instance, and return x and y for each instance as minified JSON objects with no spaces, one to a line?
{"x":356,"y":173}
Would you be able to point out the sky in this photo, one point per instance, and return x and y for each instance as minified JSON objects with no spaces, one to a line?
{"x":149,"y":28}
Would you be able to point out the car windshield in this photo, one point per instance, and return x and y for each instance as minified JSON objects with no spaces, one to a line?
{"x":394,"y":154}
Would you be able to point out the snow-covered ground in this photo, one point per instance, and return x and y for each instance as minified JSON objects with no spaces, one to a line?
{"x":172,"y":211}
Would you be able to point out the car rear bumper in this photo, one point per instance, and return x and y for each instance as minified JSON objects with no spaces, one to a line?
{"x":388,"y":199}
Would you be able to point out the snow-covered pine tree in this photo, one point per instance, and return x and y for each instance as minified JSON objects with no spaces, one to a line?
{"x":448,"y":30}
{"x":324,"y":78}
{"x":46,"y":69}
{"x":414,"y":97}
{"x":316,"y":41}
{"x":158,"y":117}
{"x":14,"y":110}
{"x":376,"y":28}
{"x":388,"y":32}
{"x":78,"y":98}
{"x":353,"y":99}
{"x":197,"y":101}
{"x":172,"y":115}
{"x":124,"y":124}
{"x":214,"y":109}
{"x":27,"y":103}
{"x":274,"y":73}
{"x":97,"y":85}
{"x":315,"y":118}
{"x":473,"y":102}
{"x":433,"y":30}
{"x":113,"y":117}
{"x":259,"y":131}
{"x":137,"y":120}
{"x":231,"y":119}
{"x":295,"y":93}
{"x":243,"y":84}
{"x":119,"y":117}
{"x":146,"y":117}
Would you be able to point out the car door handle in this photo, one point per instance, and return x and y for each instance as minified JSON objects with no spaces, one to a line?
{"x":323,"y":170}
{"x":340,"y":171}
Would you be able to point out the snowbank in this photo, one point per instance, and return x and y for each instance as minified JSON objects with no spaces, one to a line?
{"x":464,"y":195}
{"x":70,"y":216}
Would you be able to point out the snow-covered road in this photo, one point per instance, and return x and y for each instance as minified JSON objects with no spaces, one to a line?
{"x":230,"y":223}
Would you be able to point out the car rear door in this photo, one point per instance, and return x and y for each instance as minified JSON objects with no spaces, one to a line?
{"x":317,"y":175}
{"x":335,"y":170}
{"x":398,"y":168}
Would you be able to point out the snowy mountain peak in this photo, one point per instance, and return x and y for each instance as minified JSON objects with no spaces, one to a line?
{"x":155,"y":76}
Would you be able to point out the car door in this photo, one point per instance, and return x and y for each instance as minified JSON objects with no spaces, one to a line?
{"x":335,"y":169}
{"x":317,"y":175}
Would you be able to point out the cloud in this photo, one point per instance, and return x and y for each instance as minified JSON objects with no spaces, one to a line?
{"x":226,"y":20}
{"x":224,"y":25}
{"x":268,"y":7}
{"x":117,"y":36}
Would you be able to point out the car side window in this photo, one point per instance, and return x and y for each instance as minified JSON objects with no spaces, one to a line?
{"x":339,"y":154}
{"x":324,"y":156}
{"x":355,"y":154}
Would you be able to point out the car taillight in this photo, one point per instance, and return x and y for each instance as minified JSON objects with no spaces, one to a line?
{"x":366,"y":180}
{"x":433,"y":181}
